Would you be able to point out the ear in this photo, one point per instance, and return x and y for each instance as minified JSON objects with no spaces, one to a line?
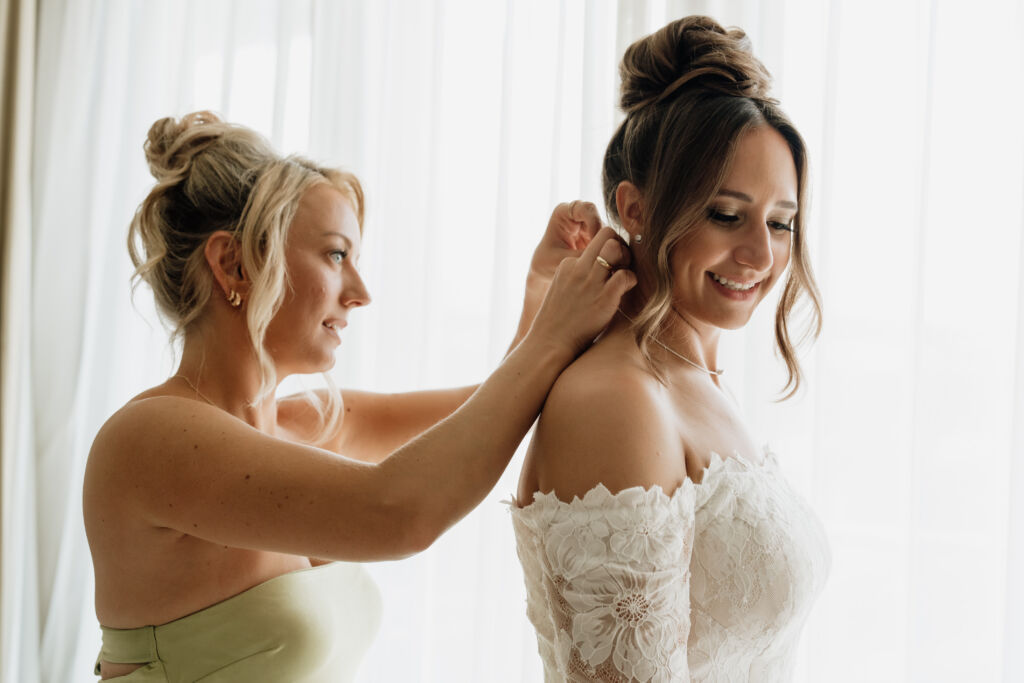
{"x":224,"y":256}
{"x":630,"y":205}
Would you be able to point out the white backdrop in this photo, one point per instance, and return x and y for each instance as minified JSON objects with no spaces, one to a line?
{"x":467,"y":121}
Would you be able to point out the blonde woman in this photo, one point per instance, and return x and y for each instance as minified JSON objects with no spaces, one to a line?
{"x":208,"y":502}
{"x":658,"y":542}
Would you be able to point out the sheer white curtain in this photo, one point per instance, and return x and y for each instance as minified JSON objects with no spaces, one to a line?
{"x":467,"y":122}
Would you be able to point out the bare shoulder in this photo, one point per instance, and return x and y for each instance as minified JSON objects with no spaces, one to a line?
{"x":607,"y":420}
{"x":161,"y":447}
{"x":157,"y":422}
{"x":134,"y":438}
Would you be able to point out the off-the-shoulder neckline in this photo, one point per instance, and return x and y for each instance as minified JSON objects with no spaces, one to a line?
{"x":733,"y":463}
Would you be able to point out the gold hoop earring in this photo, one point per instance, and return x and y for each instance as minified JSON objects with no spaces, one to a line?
{"x":235,"y":299}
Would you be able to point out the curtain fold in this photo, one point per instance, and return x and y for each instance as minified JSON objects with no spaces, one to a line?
{"x":19,"y":616}
{"x":466,"y":123}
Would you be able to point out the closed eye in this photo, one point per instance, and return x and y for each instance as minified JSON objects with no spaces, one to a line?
{"x":722,"y":217}
{"x":782,"y":227}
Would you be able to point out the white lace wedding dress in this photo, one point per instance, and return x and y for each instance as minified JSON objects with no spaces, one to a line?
{"x":712,"y":583}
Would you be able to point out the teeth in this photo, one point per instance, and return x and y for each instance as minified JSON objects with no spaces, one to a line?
{"x":735,"y":286}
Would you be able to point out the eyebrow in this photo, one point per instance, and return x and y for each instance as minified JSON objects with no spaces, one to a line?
{"x":783,"y":204}
{"x":335,"y":233}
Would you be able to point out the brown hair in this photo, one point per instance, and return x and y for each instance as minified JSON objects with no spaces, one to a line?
{"x":689,"y":92}
{"x":210,"y":176}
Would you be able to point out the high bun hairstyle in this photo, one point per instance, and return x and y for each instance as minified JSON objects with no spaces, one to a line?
{"x":689,"y":92}
{"x":210,"y":176}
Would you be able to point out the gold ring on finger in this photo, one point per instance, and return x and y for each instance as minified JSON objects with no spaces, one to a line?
{"x":604,"y":264}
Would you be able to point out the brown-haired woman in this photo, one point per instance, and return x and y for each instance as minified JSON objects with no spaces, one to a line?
{"x":205,"y":494}
{"x":658,"y":543}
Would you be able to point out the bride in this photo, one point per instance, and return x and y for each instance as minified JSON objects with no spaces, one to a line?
{"x":658,"y":543}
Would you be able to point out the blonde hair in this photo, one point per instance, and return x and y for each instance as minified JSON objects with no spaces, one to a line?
{"x":689,"y":92}
{"x":211,"y":176}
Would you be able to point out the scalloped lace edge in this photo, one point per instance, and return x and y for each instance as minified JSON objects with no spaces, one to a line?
{"x":600,"y":495}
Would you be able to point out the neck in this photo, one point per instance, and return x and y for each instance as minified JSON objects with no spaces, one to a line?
{"x":698,"y":342}
{"x":694,"y":341}
{"x":226,"y":374}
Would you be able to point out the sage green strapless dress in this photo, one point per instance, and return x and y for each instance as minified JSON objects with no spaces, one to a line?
{"x":308,"y":625}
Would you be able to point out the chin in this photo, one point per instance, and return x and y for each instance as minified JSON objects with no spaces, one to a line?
{"x":731,"y":323}
{"x":736,"y":321}
{"x":311,"y":366}
{"x":324,"y":365}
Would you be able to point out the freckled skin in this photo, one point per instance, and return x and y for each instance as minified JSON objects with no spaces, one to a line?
{"x":320,"y":286}
{"x":149,"y":570}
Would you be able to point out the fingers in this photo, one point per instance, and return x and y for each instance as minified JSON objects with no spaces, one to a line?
{"x":585,"y":292}
{"x":614,"y":255}
{"x":593,"y":250}
{"x":620,"y":282}
{"x":586,"y":214}
{"x":604,"y":255}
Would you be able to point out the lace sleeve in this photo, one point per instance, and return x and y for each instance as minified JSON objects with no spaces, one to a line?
{"x":608,"y":583}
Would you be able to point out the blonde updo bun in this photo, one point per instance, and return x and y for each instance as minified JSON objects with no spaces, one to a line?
{"x":171,"y":144}
{"x":211,"y":176}
{"x":689,"y":92}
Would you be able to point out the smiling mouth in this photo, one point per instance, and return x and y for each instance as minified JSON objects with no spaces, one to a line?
{"x":335,"y":328}
{"x":732,"y":284}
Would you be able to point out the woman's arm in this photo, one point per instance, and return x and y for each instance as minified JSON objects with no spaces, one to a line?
{"x":189,"y":467}
{"x":376,"y":424}
{"x":373,"y":425}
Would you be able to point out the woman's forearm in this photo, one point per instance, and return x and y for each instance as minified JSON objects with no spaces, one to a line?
{"x":433,"y":481}
{"x":376,"y":425}
{"x":440,"y":476}
{"x":536,"y":288}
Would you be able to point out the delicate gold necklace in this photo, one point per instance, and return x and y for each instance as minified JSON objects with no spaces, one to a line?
{"x":195,"y":389}
{"x":714,"y":373}
{"x":717,"y":373}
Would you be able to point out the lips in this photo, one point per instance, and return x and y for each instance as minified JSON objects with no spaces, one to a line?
{"x":732,"y":289}
{"x":335,"y":327}
{"x":734,"y":285}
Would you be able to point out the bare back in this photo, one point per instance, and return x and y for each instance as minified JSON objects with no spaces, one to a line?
{"x":147,"y":573}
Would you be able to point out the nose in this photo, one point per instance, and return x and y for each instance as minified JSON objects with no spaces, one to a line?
{"x":755,"y":247}
{"x":354,"y":293}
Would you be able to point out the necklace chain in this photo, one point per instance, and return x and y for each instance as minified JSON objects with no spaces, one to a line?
{"x":714,"y":373}
{"x":195,"y":389}
{"x":717,"y":372}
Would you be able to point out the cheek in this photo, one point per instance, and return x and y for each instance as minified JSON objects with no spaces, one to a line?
{"x":311,"y":288}
{"x":781,"y":254}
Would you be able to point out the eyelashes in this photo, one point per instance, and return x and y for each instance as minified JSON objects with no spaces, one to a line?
{"x":731,"y":219}
{"x":785,"y":227}
{"x":341,"y":255}
{"x":723,"y":217}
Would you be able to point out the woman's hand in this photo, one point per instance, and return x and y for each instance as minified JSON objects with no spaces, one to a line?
{"x":584,"y":294}
{"x":570,"y":229}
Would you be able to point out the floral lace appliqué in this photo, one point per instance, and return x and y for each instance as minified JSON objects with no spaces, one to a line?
{"x":711,"y":583}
